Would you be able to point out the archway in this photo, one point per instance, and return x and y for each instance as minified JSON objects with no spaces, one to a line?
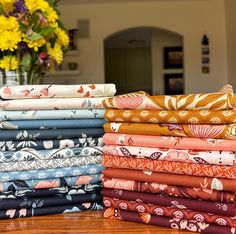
{"x":145,"y":58}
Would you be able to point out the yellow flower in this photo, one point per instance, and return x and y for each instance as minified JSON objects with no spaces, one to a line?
{"x":9,"y":63}
{"x":51,"y":15}
{"x":34,"y":5}
{"x":9,"y":23}
{"x":7,"y":5}
{"x":55,"y":52}
{"x":35,"y":44}
{"x":9,"y":40}
{"x":62,"y":37}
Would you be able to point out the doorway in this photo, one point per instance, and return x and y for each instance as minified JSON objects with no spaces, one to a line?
{"x":134,"y":59}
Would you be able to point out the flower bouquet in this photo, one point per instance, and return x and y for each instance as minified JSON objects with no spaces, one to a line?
{"x":32,"y":38}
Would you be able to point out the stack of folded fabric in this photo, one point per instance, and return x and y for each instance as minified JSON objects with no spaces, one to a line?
{"x":170,"y":161}
{"x":51,"y":148}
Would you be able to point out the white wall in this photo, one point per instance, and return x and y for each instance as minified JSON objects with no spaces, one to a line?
{"x":190,"y":18}
{"x":230,"y":7}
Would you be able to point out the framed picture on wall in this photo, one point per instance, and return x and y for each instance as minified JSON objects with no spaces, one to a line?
{"x":173,"y":57}
{"x":174,"y":84}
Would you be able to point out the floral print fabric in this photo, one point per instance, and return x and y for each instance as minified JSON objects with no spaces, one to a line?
{"x":51,"y":124}
{"x":179,"y":224}
{"x":177,"y":117}
{"x":55,"y":91}
{"x":19,"y":203}
{"x":22,"y":213}
{"x":50,"y":163}
{"x":178,"y":130}
{"x":50,"y":183}
{"x":169,"y":212}
{"x":170,"y":190}
{"x":188,"y":156}
{"x":49,"y":144}
{"x":210,"y":183}
{"x":32,"y":154}
{"x":142,"y":101}
{"x":52,"y":114}
{"x":186,"y":143}
{"x":170,"y":167}
{"x":50,"y":173}
{"x":49,"y":134}
{"x":52,"y":103}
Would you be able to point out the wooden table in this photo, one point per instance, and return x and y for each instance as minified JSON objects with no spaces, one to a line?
{"x":83,"y":222}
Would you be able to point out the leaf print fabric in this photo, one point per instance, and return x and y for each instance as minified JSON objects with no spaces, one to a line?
{"x":58,"y":192}
{"x":175,"y":155}
{"x":50,"y":163}
{"x":32,"y":154}
{"x":49,"y":144}
{"x":23,"y":213}
{"x":179,"y":224}
{"x":175,"y":213}
{"x":186,"y":143}
{"x":58,"y":134}
{"x":177,"y":130}
{"x":169,"y":167}
{"x":172,"y":117}
{"x":17,"y":185}
{"x":52,"y":114}
{"x":55,"y":91}
{"x":51,"y":124}
{"x":142,"y":101}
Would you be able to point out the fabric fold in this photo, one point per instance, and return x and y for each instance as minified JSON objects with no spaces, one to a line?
{"x":185,"y":130}
{"x":169,"y":142}
{"x":55,"y":91}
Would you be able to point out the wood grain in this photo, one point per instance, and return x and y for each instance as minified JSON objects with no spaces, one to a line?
{"x":83,"y":222}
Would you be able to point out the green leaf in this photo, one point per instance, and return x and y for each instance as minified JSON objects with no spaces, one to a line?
{"x":23,"y":27}
{"x":46,"y":31}
{"x":26,"y":62}
{"x":35,"y":36}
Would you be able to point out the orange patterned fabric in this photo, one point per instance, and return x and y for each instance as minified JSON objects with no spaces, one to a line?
{"x":141,"y":100}
{"x":184,"y":130}
{"x":179,"y":116}
{"x":169,"y":167}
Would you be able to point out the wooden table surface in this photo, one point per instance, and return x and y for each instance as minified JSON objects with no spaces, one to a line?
{"x":83,"y":222}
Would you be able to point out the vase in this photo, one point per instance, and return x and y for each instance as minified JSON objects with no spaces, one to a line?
{"x":11,"y":78}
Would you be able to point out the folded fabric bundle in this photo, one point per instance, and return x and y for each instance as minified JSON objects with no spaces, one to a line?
{"x":55,"y":91}
{"x":211,"y":183}
{"x":188,"y":156}
{"x":52,"y":104}
{"x":179,"y":224}
{"x":50,"y":163}
{"x":51,"y":124}
{"x":169,"y":166}
{"x":54,"y":192}
{"x":169,"y":142}
{"x":142,"y":101}
{"x":170,"y":190}
{"x":16,"y":185}
{"x":52,"y":114}
{"x":49,"y":144}
{"x":225,"y":131}
{"x":50,"y":134}
{"x":177,"y":116}
{"x":51,"y":173}
{"x":172,"y":212}
{"x":22,"y":213}
{"x":32,"y":154}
